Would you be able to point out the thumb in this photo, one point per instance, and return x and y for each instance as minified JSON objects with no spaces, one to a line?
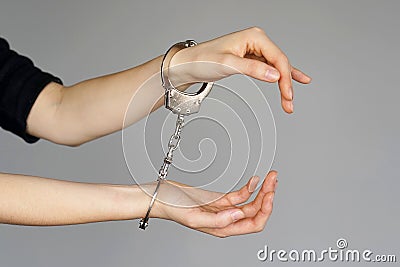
{"x":253,"y":68}
{"x":220,"y":219}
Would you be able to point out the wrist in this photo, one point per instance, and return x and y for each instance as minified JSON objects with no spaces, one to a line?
{"x":130,"y":202}
{"x":179,"y":69}
{"x":157,"y":210}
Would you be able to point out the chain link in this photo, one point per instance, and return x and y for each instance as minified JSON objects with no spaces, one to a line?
{"x":173,"y":144}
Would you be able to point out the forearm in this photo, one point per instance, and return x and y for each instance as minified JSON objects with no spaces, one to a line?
{"x":96,"y":107}
{"x":28,"y":200}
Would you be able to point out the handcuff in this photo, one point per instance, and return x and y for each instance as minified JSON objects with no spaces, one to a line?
{"x":180,"y":103}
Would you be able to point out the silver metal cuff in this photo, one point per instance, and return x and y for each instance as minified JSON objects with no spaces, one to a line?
{"x":144,"y":222}
{"x":179,"y":102}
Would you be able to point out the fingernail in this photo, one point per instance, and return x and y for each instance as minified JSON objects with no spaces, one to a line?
{"x":237,"y":215}
{"x":272,"y":197}
{"x":253,"y":184}
{"x":272,"y":75}
{"x":291,"y":106}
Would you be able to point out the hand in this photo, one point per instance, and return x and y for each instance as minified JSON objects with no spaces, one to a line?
{"x":215,"y":213}
{"x":248,"y":52}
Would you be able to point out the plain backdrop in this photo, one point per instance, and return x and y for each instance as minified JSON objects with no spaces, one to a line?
{"x":337,"y":155}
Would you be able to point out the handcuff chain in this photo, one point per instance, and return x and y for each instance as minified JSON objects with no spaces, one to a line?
{"x":173,"y":144}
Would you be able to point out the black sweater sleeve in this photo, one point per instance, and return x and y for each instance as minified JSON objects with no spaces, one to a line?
{"x":20,"y":85}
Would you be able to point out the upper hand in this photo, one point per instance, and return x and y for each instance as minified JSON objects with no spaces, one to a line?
{"x":248,"y":52}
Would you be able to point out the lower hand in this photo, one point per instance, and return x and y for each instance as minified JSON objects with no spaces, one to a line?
{"x":214,"y":213}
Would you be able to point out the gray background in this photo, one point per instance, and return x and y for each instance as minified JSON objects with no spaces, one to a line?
{"x":338,"y":154}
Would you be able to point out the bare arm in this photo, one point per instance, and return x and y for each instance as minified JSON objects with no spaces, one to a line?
{"x":94,"y":108}
{"x":29,"y":200}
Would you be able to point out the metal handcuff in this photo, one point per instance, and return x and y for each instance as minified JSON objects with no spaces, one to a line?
{"x":180,"y":103}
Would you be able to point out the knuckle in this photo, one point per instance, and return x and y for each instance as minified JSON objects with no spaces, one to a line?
{"x":282,"y":58}
{"x":253,"y":32}
{"x":257,"y":30}
{"x":243,"y":194}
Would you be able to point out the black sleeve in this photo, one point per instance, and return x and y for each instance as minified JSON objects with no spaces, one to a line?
{"x":20,"y":84}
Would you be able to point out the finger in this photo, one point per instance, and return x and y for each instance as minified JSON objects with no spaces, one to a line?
{"x":253,"y":68}
{"x":285,"y":81}
{"x":265,"y":211}
{"x":280,"y":61}
{"x":300,"y":76}
{"x":249,"y":225}
{"x":221,"y":219}
{"x":287,"y":105}
{"x":242,"y":195}
{"x":271,"y":178}
{"x":268,"y":186}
